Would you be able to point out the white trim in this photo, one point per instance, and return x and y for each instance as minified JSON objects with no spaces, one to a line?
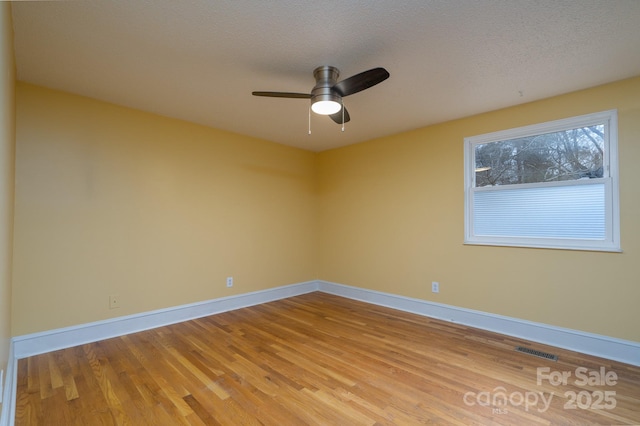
{"x":8,"y":413}
{"x":546,"y":127}
{"x":61,"y":338}
{"x":611,"y":348}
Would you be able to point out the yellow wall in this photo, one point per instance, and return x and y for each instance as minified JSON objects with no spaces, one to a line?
{"x":7,"y":150}
{"x":116,"y":201}
{"x":392,"y":213}
{"x":111,"y":200}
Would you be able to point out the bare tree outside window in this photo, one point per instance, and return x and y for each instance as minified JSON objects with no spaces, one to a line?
{"x":559,"y":156}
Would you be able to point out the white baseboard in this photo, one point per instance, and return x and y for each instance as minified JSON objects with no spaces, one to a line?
{"x":625,"y":351}
{"x":588,"y":343}
{"x":37,"y":343}
{"x":52,"y":340}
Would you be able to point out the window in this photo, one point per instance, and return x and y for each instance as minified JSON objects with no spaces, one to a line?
{"x":550,"y":185}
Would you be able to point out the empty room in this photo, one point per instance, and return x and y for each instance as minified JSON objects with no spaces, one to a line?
{"x":323,"y":213}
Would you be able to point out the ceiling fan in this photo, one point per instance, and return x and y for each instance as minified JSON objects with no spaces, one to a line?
{"x":326,"y":96}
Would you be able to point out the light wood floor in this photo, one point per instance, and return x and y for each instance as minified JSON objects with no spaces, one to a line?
{"x":317,"y":359}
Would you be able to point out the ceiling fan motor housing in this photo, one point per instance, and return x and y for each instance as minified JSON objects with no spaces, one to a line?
{"x":326,"y":77}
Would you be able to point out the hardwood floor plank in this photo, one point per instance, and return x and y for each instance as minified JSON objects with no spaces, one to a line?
{"x":200,"y":411}
{"x":323,"y":360}
{"x":27,"y":409}
{"x":44,"y":378}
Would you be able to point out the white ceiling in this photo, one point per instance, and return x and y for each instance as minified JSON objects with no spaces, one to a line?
{"x":200,"y":60}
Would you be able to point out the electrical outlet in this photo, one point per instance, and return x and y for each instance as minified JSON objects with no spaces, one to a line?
{"x":435,"y":287}
{"x":229,"y":281}
{"x":114,"y":301}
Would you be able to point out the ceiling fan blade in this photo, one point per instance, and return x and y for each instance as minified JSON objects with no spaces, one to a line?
{"x":337,"y":117}
{"x":283,"y":95}
{"x":359,"y":82}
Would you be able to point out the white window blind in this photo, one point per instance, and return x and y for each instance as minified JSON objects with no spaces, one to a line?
{"x":568,"y":211}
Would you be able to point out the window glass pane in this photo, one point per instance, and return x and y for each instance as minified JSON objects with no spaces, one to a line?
{"x":572,"y":211}
{"x":559,"y":156}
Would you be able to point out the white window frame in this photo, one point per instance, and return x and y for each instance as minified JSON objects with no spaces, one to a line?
{"x":611,"y":242}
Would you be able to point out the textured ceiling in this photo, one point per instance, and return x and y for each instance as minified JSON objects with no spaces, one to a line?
{"x":200,"y":60}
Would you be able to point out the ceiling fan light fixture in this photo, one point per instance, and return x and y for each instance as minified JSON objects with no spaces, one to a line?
{"x":325,"y":104}
{"x":325,"y":107}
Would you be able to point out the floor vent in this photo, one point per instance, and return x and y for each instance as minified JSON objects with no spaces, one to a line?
{"x":539,"y":354}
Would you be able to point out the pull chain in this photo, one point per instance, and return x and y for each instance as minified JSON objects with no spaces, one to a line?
{"x":309,"y":119}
